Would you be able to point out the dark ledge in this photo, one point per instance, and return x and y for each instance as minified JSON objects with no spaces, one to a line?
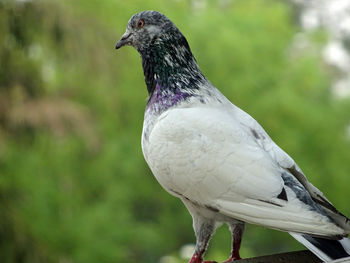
{"x":304,"y":256}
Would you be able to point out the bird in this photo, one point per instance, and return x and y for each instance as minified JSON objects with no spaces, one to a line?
{"x":216,"y":158}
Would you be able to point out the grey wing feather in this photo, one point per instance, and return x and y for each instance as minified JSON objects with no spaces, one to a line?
{"x":286,"y":162}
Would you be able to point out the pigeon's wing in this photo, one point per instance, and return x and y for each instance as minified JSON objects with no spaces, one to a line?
{"x":286,"y":162}
{"x":210,"y":160}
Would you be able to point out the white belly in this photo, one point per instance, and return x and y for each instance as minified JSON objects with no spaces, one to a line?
{"x":181,"y":159}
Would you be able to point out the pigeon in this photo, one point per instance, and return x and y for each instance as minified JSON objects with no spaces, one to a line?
{"x":216,"y":158}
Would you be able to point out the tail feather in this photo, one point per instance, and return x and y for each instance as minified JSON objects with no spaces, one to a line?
{"x":345,"y":242}
{"x":325,"y":249}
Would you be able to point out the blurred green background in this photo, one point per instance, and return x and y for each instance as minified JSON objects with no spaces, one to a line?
{"x":74,"y":186}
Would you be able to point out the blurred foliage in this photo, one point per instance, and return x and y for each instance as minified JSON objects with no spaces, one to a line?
{"x":73,"y":183}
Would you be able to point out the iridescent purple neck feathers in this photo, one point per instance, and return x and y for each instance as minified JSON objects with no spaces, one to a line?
{"x":162,"y":98}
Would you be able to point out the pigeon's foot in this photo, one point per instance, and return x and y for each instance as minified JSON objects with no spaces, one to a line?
{"x":237,"y":231}
{"x":199,"y":259}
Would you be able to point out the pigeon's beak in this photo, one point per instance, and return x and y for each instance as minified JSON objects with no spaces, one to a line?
{"x":125,"y":40}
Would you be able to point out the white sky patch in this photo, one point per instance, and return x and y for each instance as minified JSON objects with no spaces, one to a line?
{"x":310,"y":20}
{"x":330,"y":14}
{"x":334,"y":17}
{"x":344,"y":26}
{"x":336,"y":55}
{"x":341,"y":88}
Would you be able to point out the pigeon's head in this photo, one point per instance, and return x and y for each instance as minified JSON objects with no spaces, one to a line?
{"x":167,"y":59}
{"x":146,"y":28}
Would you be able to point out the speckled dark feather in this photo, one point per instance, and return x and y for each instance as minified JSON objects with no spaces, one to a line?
{"x":300,"y":192}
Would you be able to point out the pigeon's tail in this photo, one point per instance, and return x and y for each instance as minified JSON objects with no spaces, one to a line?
{"x":325,"y":249}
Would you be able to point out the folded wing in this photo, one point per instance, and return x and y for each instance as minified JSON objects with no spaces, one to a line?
{"x":213,"y":157}
{"x":286,"y":162}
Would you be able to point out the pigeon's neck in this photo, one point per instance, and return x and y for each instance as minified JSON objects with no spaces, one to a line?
{"x":171,"y":73}
{"x":170,"y":64}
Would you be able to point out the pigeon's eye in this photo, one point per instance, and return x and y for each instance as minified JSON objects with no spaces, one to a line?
{"x":140,"y":23}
